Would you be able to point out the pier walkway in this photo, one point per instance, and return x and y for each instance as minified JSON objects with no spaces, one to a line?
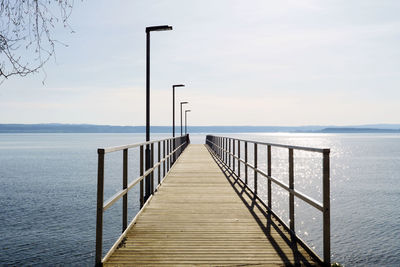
{"x":202,"y":215}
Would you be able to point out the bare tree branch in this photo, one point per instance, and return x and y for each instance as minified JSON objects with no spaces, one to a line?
{"x":26,"y":26}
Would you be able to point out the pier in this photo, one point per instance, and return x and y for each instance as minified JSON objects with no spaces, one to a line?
{"x":202,"y":213}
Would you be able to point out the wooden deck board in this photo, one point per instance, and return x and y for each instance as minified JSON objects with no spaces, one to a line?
{"x":199,"y":216}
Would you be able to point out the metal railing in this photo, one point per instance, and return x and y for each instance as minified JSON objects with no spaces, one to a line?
{"x":171,"y":149}
{"x":228,"y":149}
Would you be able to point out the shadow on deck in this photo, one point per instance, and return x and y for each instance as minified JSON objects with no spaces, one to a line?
{"x":266,"y":220}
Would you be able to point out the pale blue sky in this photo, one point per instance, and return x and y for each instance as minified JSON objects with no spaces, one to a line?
{"x":244,"y":63}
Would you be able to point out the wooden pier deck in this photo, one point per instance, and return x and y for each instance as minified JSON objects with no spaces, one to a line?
{"x":201,"y":215}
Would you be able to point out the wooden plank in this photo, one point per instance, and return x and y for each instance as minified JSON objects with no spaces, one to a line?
{"x":198,"y":216}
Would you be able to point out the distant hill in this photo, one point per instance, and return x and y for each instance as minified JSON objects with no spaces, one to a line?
{"x":358,"y":130}
{"x":90,"y":128}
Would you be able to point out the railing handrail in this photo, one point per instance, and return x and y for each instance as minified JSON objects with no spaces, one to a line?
{"x":221,"y":146}
{"x":283,"y":185}
{"x":172,"y":148}
{"x":310,"y":149}
{"x":106,"y":150}
{"x":123,"y":192}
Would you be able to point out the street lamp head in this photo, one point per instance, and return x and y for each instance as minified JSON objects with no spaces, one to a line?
{"x":187,"y":110}
{"x":158,"y":28}
{"x":184,"y":103}
{"x":178,"y":85}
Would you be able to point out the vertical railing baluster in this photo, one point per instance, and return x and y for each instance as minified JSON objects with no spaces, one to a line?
{"x":173,"y":156}
{"x":223,"y":149}
{"x":239,"y":163}
{"x":228,"y":156}
{"x":226,"y":150}
{"x":99,"y":210}
{"x":182,"y":145}
{"x":326,"y":210}
{"x":163,"y":158}
{"x":124,"y":186}
{"x":234,"y":154}
{"x":229,"y":152}
{"x":255,"y":168}
{"x":269,"y":174}
{"x":152,"y":166}
{"x":245,"y":164}
{"x":179,"y":151}
{"x":141,"y":197}
{"x":168,"y":155}
{"x":215,"y":141}
{"x":218,"y":147}
{"x":291,"y":187}
{"x":159,"y":162}
{"x":176,"y":153}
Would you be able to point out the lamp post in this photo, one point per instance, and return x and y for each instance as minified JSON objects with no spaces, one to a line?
{"x":148,"y":30}
{"x":186,"y":111}
{"x":182,"y":103}
{"x":173,"y":116}
{"x":173,"y":107}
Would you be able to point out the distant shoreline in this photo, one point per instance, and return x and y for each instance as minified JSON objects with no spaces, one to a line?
{"x":90,"y":128}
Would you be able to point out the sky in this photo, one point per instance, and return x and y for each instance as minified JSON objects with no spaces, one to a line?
{"x":243,"y":63}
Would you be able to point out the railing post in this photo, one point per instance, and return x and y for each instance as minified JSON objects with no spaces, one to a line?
{"x":229,"y":152}
{"x":326,"y":203}
{"x":178,"y":151}
{"x":233,"y":157}
{"x":182,"y":145}
{"x":245,"y":160}
{"x":124,"y":186}
{"x":173,"y":147}
{"x":164,"y":158}
{"x":159,"y":161}
{"x":168,"y":155}
{"x":269,"y":180}
{"x":239,"y":158}
{"x":141,"y":197}
{"x":223,"y":149}
{"x":255,"y":168}
{"x":99,"y":210}
{"x":226,"y":150}
{"x":152,"y":165}
{"x":219,"y":146}
{"x":171,"y":152}
{"x":147,"y":184}
{"x":291,"y":186}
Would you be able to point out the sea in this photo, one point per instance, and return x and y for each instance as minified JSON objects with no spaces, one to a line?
{"x":48,"y":184}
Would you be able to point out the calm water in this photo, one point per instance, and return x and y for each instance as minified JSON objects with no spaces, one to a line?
{"x":48,"y":194}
